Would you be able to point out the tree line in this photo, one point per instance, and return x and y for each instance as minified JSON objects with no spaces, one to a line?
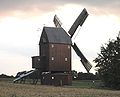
{"x":6,"y":76}
{"x":84,"y":76}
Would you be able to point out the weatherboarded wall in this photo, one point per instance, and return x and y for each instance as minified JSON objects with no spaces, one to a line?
{"x":59,"y":57}
{"x":57,"y":79}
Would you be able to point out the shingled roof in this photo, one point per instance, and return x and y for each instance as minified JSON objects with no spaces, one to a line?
{"x":55,"y":35}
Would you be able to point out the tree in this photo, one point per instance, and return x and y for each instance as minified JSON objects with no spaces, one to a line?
{"x":108,"y":63}
{"x":87,"y":76}
{"x":6,"y":76}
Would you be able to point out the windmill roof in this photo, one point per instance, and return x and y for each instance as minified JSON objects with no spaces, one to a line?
{"x":57,"y":35}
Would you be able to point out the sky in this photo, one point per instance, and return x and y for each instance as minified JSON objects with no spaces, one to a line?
{"x":22,"y":21}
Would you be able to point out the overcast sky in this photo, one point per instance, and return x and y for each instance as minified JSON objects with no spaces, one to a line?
{"x":21,"y":23}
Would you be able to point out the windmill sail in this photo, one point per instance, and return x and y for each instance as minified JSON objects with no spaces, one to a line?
{"x":84,"y":61}
{"x":57,"y":22}
{"x":79,"y":21}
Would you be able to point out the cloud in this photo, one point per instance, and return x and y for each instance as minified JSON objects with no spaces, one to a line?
{"x":24,"y":7}
{"x":103,"y":7}
{"x":10,"y":7}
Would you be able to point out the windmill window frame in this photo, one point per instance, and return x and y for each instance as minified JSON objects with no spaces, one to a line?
{"x":66,"y":59}
{"x":68,"y":47}
{"x":38,"y":59}
{"x":52,"y":77}
{"x":52,"y":45}
{"x":52,"y":58}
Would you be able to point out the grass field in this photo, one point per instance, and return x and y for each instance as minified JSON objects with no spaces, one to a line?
{"x":78,"y":89}
{"x":86,"y":84}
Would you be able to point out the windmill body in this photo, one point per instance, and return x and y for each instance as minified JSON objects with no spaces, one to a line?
{"x":55,"y":47}
{"x":54,"y":57}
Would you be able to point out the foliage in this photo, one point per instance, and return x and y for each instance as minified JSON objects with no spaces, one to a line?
{"x":6,"y":76}
{"x":84,"y":76}
{"x":87,"y":76}
{"x":108,"y":63}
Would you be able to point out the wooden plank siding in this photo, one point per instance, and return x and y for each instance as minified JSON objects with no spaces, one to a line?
{"x":59,"y":57}
{"x":57,"y":79}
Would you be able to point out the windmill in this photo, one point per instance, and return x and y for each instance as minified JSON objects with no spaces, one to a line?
{"x":53,"y":65}
{"x":78,"y":22}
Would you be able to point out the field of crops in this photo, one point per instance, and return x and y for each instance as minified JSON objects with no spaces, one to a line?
{"x":9,"y":89}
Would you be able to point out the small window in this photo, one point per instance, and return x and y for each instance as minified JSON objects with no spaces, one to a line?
{"x":66,"y":59}
{"x":68,"y":47}
{"x":52,"y":58}
{"x":52,"y":77}
{"x":38,"y":59}
{"x":52,"y":46}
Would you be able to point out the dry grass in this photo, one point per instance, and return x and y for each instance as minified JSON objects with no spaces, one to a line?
{"x":8,"y":89}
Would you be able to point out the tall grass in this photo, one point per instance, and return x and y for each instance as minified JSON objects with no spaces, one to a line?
{"x":8,"y":89}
